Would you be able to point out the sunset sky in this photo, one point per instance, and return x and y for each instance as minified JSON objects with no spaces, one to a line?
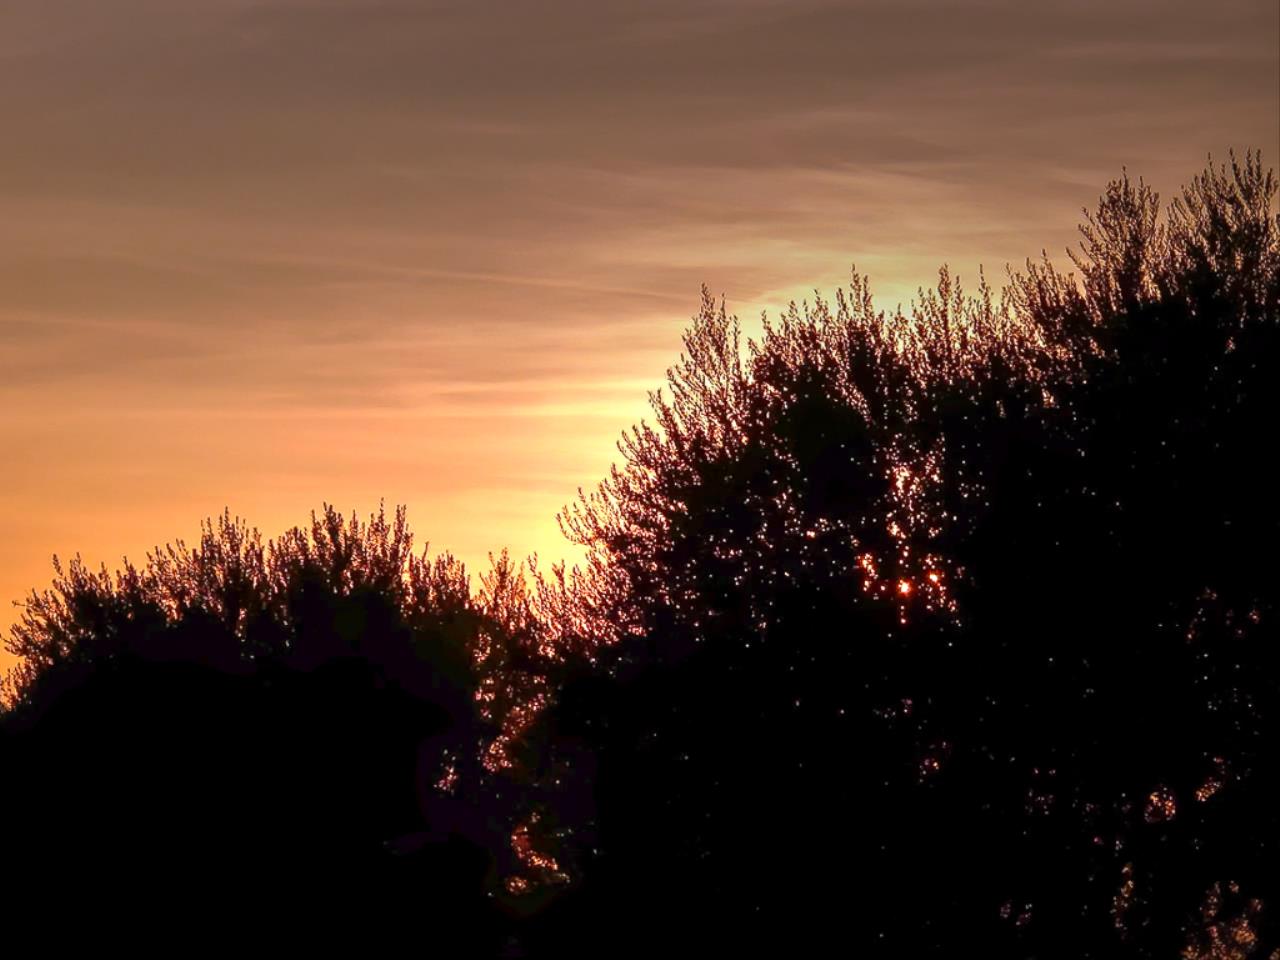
{"x":262,"y":254}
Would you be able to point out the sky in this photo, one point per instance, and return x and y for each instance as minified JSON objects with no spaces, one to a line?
{"x":265,"y":254}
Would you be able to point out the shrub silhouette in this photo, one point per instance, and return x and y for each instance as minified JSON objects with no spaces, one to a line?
{"x":275,"y":734}
{"x":899,"y":634}
{"x":954,"y":628}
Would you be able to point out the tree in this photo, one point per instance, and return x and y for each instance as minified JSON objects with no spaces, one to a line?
{"x":244,"y":733}
{"x":909,"y":632}
{"x":953,"y":628}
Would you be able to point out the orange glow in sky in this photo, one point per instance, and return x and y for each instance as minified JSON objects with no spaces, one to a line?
{"x":261,"y":254}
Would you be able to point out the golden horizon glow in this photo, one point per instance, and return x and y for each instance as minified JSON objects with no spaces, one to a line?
{"x":261,"y":255}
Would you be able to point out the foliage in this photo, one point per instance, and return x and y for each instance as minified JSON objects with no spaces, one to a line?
{"x":961,"y":622}
{"x":906,"y":631}
{"x":313,"y":716}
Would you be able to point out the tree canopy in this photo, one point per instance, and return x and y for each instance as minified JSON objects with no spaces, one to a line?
{"x":910,"y":631}
{"x":957,"y":626}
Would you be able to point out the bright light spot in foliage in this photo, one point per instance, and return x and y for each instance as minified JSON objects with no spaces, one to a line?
{"x":1161,"y":806}
{"x":544,"y":866}
{"x":1229,"y":937}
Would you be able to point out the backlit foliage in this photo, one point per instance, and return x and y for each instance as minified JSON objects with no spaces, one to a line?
{"x":974,"y":599}
{"x":338,"y":590}
{"x":919,"y":632}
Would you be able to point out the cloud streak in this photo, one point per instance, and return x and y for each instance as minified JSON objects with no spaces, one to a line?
{"x":433,"y":250}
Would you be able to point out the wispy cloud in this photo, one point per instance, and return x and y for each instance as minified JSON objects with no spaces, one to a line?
{"x":266,"y":252}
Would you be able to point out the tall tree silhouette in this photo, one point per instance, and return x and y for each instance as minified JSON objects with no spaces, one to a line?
{"x":954,"y":628}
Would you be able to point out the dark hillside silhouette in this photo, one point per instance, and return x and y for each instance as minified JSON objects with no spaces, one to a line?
{"x":900,"y":635}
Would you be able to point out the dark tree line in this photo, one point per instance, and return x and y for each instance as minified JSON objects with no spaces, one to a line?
{"x":900,"y":634}
{"x":312,"y":734}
